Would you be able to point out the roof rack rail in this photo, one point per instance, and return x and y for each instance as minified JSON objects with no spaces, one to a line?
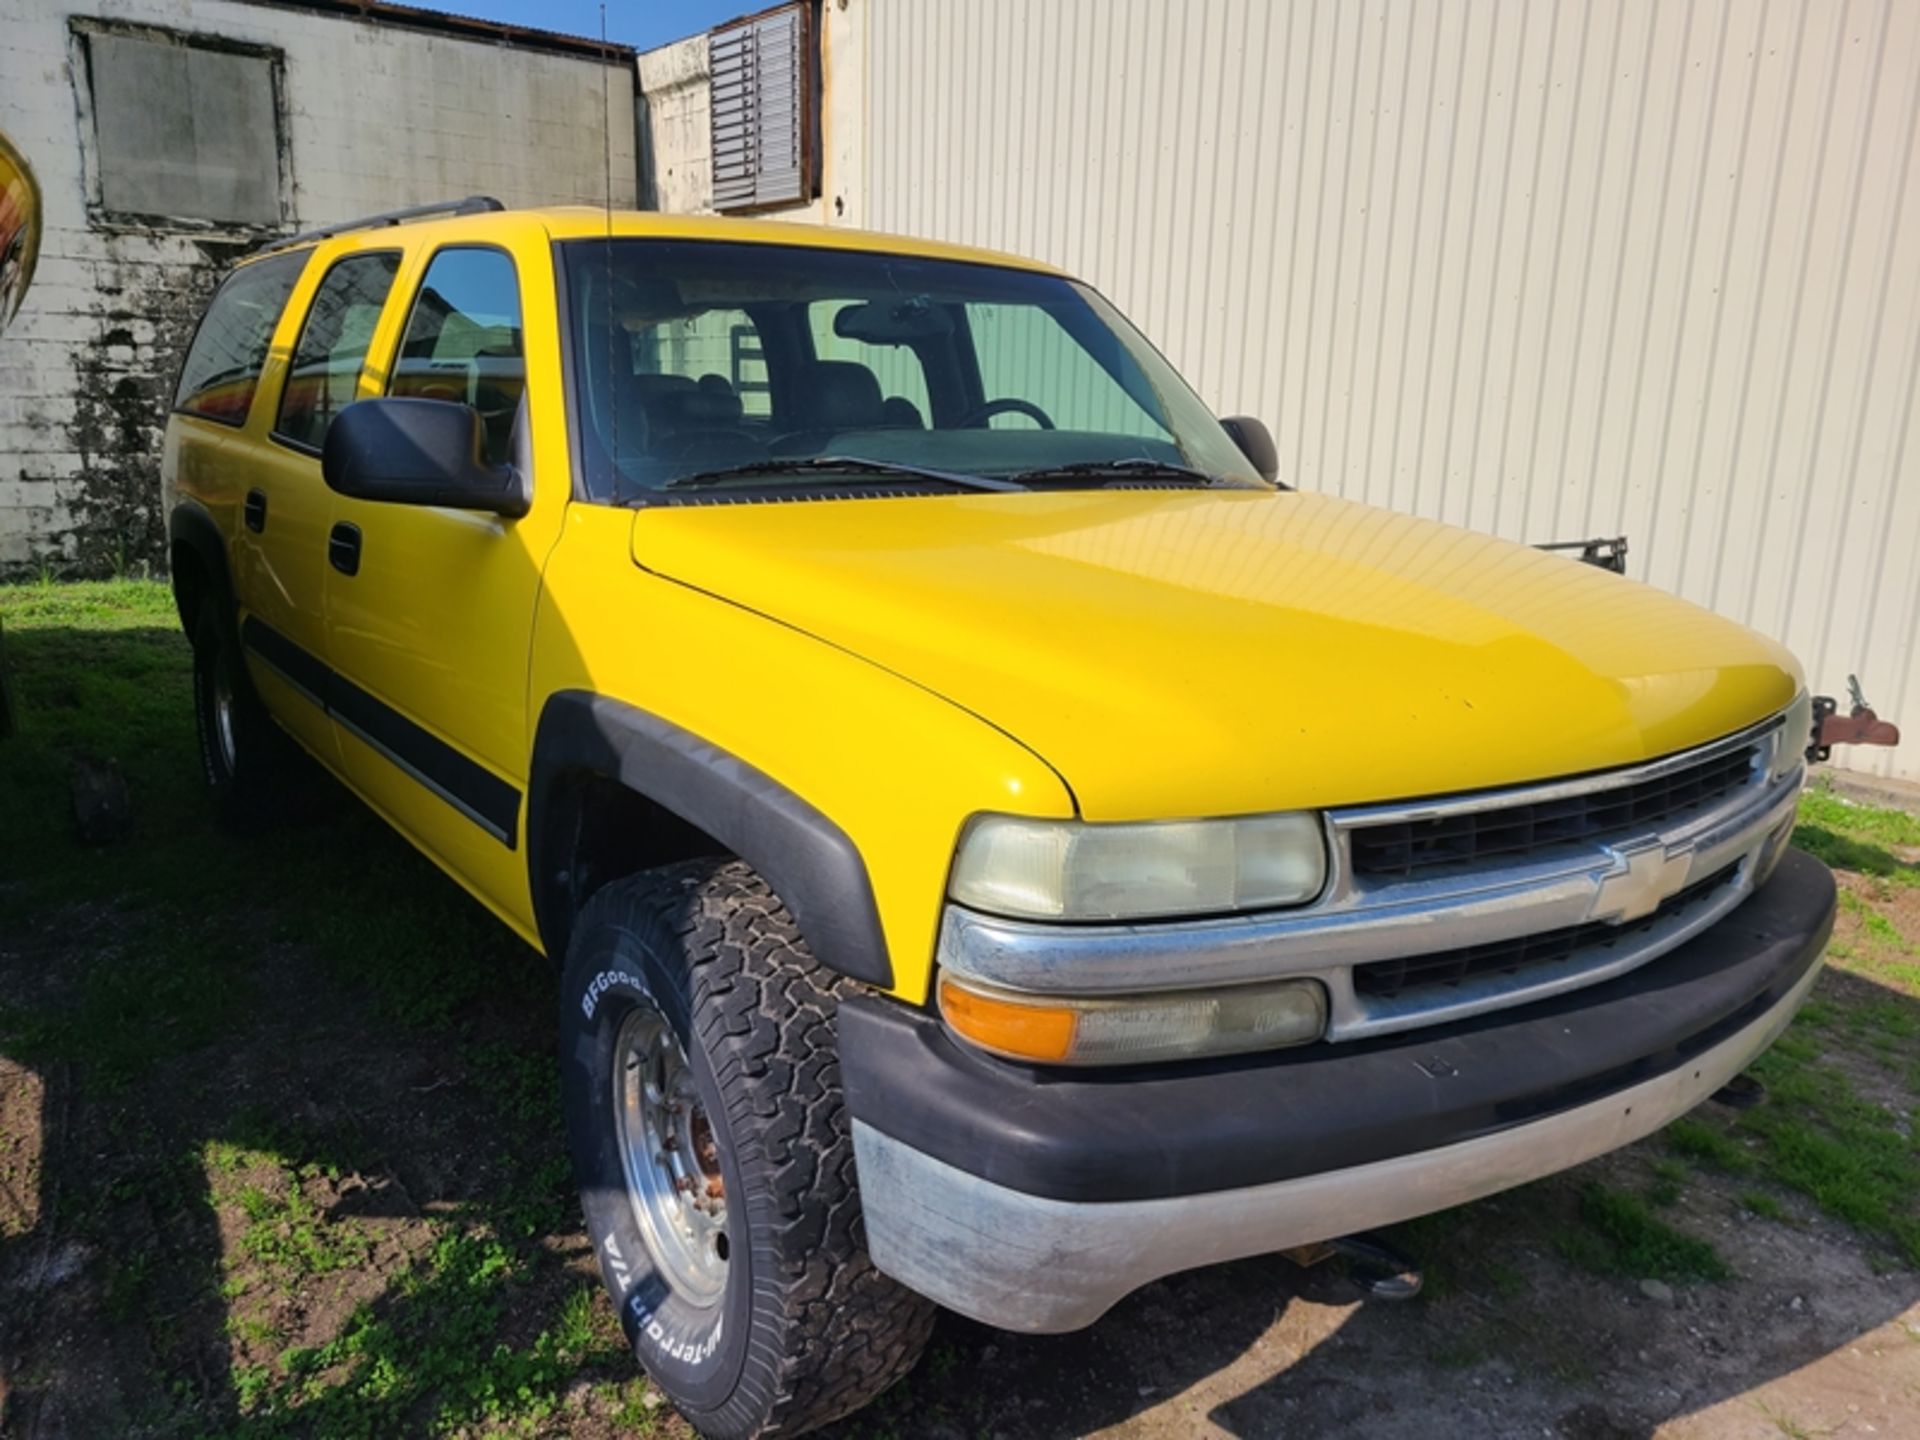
{"x":471,"y":205}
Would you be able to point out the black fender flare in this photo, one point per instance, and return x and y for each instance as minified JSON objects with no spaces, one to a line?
{"x":811,"y":863}
{"x":190,"y":525}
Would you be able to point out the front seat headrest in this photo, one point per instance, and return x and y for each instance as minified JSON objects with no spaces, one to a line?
{"x":845,"y":396}
{"x":699,"y":409}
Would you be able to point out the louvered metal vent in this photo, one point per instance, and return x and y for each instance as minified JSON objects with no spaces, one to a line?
{"x":762,"y":110}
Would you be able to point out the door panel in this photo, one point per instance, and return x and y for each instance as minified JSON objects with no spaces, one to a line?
{"x":287,"y":510}
{"x":430,"y":635}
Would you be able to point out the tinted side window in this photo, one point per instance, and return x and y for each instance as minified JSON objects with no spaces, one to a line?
{"x":230,"y":347}
{"x":463,"y":341}
{"x":333,"y":346}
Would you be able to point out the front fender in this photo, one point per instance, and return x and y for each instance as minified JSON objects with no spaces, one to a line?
{"x":808,"y":860}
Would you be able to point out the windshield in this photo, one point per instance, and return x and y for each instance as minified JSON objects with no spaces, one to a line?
{"x":702,"y":364}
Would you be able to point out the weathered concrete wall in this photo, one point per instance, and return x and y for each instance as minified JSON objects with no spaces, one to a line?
{"x":375,"y":117}
{"x":676,"y":155}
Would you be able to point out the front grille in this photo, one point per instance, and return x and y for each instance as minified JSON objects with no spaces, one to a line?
{"x":1389,"y":979}
{"x":1402,"y":848}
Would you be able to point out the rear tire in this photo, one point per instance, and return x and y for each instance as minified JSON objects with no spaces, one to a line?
{"x":689,"y":995}
{"x":242,"y":753}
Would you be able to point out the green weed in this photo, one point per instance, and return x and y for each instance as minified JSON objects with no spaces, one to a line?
{"x":1620,"y":1236}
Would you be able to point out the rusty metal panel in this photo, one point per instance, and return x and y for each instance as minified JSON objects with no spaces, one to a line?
{"x":1549,"y":268}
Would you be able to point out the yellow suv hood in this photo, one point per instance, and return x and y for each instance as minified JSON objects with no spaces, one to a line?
{"x":1178,"y":653}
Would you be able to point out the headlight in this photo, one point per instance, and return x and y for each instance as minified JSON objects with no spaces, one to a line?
{"x":1796,"y":733}
{"x":1070,"y":870}
{"x":1175,"y":1025}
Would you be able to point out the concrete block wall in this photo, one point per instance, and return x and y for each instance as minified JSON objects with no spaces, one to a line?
{"x":376,"y":116}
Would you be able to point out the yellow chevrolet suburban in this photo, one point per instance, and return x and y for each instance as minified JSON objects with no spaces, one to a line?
{"x":998,"y":846}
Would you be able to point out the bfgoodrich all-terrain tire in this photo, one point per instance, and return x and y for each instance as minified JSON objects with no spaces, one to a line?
{"x":715,"y":1157}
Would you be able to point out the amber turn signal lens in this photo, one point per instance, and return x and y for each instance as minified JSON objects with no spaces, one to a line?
{"x":1134,"y":1029}
{"x":1008,"y":1027}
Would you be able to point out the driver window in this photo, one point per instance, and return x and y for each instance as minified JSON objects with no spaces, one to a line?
{"x":1025,"y":354}
{"x":464,"y":343}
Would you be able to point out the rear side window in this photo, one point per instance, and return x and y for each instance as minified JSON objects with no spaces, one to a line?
{"x":463,"y":341}
{"x":223,"y":364}
{"x":333,"y":346}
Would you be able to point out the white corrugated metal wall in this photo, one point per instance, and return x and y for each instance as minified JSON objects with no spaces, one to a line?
{"x":1551,"y":268}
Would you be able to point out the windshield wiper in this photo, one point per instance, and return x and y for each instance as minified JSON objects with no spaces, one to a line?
{"x":843,"y":464}
{"x":1132,"y":469}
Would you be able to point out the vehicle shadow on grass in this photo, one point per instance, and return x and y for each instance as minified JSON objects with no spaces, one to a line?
{"x":280,"y":1144}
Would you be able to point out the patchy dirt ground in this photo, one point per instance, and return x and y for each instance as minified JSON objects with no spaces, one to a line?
{"x":279,"y":1154}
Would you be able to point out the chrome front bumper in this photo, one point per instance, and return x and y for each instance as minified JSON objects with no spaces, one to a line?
{"x":1361,"y":919}
{"x":1033,"y":1263}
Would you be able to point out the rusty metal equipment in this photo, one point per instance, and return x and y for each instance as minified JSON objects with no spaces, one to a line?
{"x":1859,"y":726}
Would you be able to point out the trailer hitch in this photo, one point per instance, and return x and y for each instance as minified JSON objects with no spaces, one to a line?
{"x":1859,"y":726}
{"x":1367,"y":1264}
{"x":1608,"y":554}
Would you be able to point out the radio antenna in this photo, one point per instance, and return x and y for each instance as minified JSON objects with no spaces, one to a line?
{"x":606,"y":151}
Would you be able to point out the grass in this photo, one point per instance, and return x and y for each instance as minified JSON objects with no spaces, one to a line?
{"x":1619,"y":1235}
{"x":176,"y":944}
{"x":1854,"y":1156}
{"x":1859,"y":838}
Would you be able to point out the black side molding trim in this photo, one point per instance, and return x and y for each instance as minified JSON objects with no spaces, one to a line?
{"x":811,"y":863}
{"x":472,"y":789}
{"x":299,"y":667}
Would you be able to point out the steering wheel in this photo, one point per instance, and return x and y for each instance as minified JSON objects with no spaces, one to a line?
{"x":1007,"y":405}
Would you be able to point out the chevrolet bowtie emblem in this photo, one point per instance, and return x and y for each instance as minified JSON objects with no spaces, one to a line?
{"x":1645,"y":875}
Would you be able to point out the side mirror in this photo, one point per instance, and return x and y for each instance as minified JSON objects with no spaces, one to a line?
{"x":1255,"y":443}
{"x":410,"y":451}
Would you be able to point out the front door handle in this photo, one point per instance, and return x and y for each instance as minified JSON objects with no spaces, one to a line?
{"x":255,"y":510}
{"x":343,"y":548}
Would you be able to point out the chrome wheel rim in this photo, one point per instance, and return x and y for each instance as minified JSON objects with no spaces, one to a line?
{"x":671,"y":1158}
{"x":223,"y":713}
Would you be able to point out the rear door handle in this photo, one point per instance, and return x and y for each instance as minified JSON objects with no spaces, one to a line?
{"x":255,"y":510}
{"x":343,"y":548}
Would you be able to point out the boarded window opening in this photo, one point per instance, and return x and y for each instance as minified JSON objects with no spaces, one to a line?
{"x":764,"y":110}
{"x":185,"y":129}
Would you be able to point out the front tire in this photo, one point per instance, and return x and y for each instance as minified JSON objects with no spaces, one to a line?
{"x":714,"y":1155}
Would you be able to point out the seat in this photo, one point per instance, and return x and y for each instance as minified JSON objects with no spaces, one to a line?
{"x":901,"y":413}
{"x":702,"y":428}
{"x":839,"y":395}
{"x":843,"y":395}
{"x":496,"y":379}
{"x":638,"y":402}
